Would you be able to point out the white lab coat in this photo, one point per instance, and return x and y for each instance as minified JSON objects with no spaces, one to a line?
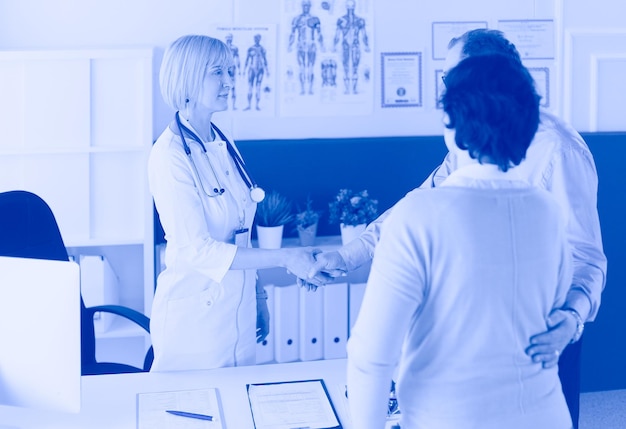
{"x":203,"y":315}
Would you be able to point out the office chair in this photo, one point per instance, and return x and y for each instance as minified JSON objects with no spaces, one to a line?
{"x":28,"y":229}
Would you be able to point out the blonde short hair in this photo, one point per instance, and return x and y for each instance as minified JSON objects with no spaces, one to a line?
{"x":184,"y":66}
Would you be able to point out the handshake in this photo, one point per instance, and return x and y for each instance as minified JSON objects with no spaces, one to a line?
{"x":314,"y":268}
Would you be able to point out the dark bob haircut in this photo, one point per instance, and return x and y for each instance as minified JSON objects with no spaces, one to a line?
{"x":493,"y":106}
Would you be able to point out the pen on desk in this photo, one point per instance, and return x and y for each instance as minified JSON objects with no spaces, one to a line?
{"x":190,"y":415}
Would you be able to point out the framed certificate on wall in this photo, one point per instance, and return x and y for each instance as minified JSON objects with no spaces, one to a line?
{"x":443,"y":32}
{"x":401,"y":74}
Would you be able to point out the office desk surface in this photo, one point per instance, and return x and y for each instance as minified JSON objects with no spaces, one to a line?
{"x":109,"y":401}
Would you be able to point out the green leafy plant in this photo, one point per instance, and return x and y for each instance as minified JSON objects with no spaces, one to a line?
{"x":308,"y":216}
{"x":353,"y":208}
{"x":274,"y":210}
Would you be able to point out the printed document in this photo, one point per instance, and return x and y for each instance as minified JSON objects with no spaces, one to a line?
{"x":152,"y":409}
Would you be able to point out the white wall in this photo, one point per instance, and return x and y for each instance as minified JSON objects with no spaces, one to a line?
{"x":594,"y":63}
{"x":399,"y":25}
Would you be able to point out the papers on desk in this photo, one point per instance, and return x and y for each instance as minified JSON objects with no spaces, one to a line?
{"x":152,"y":409}
{"x":292,"y":405}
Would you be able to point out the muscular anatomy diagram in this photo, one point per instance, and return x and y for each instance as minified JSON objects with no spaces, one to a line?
{"x":306,"y":30}
{"x":350,"y":29}
{"x":255,"y":67}
{"x":235,"y":51}
{"x":329,"y":72}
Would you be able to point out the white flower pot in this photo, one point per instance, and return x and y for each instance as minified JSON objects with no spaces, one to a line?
{"x":350,"y":232}
{"x":270,"y":237}
{"x":307,"y":235}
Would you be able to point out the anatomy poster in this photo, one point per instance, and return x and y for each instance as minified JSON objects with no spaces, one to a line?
{"x":326,"y":58}
{"x":254,"y":52}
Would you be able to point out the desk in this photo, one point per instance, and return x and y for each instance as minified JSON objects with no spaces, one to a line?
{"x":109,"y":401}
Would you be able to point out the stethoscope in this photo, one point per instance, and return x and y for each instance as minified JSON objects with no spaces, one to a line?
{"x":257,"y":194}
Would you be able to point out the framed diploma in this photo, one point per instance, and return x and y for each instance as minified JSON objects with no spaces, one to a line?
{"x":443,"y":32}
{"x":439,"y":88}
{"x":533,"y":38}
{"x":541,"y":75}
{"x":401,"y":74}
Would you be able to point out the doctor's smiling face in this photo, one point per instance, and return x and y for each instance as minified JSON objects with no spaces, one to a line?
{"x":217,"y":83}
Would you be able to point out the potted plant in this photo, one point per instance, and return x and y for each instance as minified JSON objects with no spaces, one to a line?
{"x":272,"y":214}
{"x":306,"y":223}
{"x":353,"y":211}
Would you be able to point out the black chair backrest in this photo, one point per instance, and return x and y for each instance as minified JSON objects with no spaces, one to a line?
{"x":28,"y":229}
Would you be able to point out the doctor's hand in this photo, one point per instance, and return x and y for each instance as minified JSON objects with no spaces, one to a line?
{"x":300,"y":262}
{"x":547,"y":346}
{"x":262,"y":319}
{"x":328,"y":264}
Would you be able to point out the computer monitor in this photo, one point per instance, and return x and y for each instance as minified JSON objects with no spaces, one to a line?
{"x":40,"y":365}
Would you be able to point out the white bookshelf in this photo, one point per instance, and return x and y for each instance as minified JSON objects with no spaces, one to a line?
{"x":77,"y":131}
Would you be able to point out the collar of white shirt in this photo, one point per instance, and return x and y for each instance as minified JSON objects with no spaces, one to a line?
{"x":477,"y":175}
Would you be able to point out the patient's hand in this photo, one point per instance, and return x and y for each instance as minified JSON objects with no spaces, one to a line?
{"x":546,"y":347}
{"x":328,"y":264}
{"x":300,"y":262}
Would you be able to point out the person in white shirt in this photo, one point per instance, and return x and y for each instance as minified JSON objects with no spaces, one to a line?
{"x":464,"y":273}
{"x":206,"y":312}
{"x":559,"y":161}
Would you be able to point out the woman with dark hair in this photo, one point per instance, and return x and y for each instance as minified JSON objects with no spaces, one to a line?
{"x":494,"y":118}
{"x":465,"y":273}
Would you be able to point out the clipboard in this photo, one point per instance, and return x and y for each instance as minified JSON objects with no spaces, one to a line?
{"x":303,"y":404}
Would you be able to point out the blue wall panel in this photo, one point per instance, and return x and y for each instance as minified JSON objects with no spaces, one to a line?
{"x":391,"y":166}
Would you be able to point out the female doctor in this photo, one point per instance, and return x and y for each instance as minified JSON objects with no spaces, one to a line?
{"x":206,"y":312}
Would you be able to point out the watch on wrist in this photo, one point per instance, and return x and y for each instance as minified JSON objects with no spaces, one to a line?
{"x":261,"y":294}
{"x":580,"y":325}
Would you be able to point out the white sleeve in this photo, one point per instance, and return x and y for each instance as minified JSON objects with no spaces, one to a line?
{"x":394,"y":292}
{"x":575,"y":185}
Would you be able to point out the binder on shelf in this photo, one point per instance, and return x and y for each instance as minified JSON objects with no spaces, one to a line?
{"x":335,"y":320}
{"x":265,"y":349}
{"x":311,"y":325}
{"x":99,"y":285}
{"x":286,"y":323}
{"x":355,"y":297}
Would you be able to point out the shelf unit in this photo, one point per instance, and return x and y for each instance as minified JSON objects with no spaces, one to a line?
{"x":352,"y":287}
{"x":77,"y":128}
